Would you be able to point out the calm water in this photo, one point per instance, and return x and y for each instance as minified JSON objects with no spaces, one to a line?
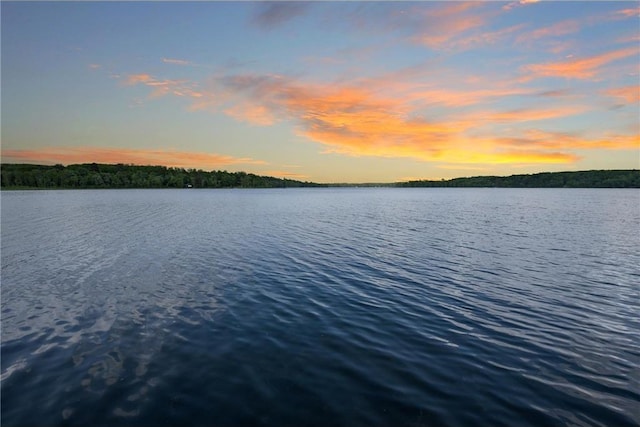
{"x":321,"y":307}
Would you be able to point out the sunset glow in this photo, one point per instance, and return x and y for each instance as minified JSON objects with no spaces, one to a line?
{"x":328,"y":92}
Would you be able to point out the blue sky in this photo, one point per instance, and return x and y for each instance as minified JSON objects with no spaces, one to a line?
{"x":324,"y":91}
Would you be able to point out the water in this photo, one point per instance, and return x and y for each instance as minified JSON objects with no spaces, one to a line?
{"x":316,"y":307}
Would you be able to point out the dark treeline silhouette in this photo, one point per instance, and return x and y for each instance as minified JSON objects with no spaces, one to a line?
{"x":582,"y":179}
{"x":93,"y":175}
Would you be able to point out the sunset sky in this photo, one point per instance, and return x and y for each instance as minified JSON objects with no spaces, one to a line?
{"x":324,"y":91}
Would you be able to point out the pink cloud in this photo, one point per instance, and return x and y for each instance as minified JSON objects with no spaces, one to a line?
{"x":631,"y":12}
{"x":452,"y":9}
{"x":439,"y":35}
{"x":172,"y":158}
{"x":628,"y":94}
{"x":561,"y":28}
{"x":443,"y":25}
{"x":134,"y":79}
{"x":485,"y":38}
{"x":634,"y":38}
{"x":518,"y":3}
{"x":256,"y":114}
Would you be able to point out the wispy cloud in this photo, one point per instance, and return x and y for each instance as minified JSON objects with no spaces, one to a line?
{"x":461,"y":26}
{"x":249,"y":112}
{"x":451,"y":9}
{"x":628,"y":94}
{"x":172,"y":158}
{"x":461,"y":98}
{"x":630,"y":12}
{"x":486,"y":38}
{"x":518,"y":3}
{"x":545,"y":140}
{"x":579,"y":68}
{"x":272,"y":14}
{"x":443,"y":26}
{"x":558,"y":29}
{"x":525,"y":114}
{"x":554,"y":93}
{"x":133,"y":79}
{"x":634,"y":38}
{"x":440,"y":35}
{"x":176,"y":61}
{"x":162,"y":87}
{"x":555,"y":34}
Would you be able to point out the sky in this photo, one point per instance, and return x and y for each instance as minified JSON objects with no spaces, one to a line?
{"x":324,"y":91}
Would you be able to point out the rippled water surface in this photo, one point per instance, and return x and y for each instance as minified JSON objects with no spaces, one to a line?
{"x":318,"y":307}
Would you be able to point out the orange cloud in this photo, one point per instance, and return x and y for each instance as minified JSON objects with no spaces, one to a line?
{"x":357,"y":120}
{"x":616,"y":142}
{"x":629,"y":94}
{"x":346,"y":119}
{"x":386,"y":118}
{"x":439,"y":142}
{"x":171,"y":158}
{"x":585,"y":68}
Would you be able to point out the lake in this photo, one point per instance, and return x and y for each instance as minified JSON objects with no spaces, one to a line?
{"x":321,"y":307}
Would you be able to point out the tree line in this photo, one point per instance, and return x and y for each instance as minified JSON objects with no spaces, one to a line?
{"x":581,"y":179}
{"x":93,"y":175}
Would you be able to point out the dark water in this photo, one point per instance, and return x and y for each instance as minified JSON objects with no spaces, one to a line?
{"x":321,"y":307}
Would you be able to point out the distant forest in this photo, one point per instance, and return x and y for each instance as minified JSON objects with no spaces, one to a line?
{"x":93,"y":175}
{"x":582,"y":179}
